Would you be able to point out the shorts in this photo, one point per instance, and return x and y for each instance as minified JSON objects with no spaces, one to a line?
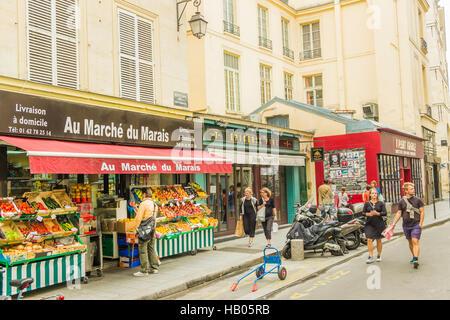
{"x":412,"y":232}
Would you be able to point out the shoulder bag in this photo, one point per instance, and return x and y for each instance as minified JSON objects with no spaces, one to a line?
{"x":261,"y":214}
{"x":146,"y":229}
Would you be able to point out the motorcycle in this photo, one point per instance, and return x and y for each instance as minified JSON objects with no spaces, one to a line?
{"x":324,"y":236}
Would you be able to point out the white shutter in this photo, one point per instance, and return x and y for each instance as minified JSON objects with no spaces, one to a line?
{"x":66,"y":43}
{"x":146,"y":65}
{"x":39,"y":41}
{"x":127,"y":55}
{"x":137,"y":69}
{"x":52,"y":53}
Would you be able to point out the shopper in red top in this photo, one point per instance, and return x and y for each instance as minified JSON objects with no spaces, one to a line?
{"x":366,"y":194}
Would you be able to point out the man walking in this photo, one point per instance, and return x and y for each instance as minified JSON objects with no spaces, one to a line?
{"x":412,"y":211}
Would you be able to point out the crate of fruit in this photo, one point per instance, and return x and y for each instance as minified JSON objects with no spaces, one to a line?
{"x":64,"y":200}
{"x":26,"y":210}
{"x":8,"y":208}
{"x":53,"y":226}
{"x":9,"y":232}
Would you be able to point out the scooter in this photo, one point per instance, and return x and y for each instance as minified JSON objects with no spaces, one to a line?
{"x":324,"y":236}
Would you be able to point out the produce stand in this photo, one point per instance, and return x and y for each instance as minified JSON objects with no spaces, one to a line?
{"x":38,"y":241}
{"x":184,"y":225}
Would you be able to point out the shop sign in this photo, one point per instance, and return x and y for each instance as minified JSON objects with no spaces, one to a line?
{"x":33,"y":116}
{"x":401,"y":146}
{"x":317,"y":154}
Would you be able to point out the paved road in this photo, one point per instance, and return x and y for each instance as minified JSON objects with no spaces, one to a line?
{"x":397,"y":278}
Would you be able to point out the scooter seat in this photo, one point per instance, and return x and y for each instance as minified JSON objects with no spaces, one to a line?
{"x":19,"y":283}
{"x":319,"y":228}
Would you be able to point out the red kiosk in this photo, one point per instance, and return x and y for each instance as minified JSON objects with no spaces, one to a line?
{"x":388,"y":156}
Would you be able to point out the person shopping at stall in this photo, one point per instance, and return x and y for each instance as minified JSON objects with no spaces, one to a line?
{"x":374,"y":210}
{"x":271,"y":213}
{"x":248,"y":214}
{"x":147,"y":253}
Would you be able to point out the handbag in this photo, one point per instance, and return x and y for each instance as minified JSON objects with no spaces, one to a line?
{"x":146,"y":229}
{"x":239,"y":232}
{"x":261,"y":215}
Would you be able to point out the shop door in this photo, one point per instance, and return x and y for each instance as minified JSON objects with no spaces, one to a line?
{"x":437,"y":194}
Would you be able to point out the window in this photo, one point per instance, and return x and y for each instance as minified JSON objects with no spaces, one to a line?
{"x":279,"y":121}
{"x":52,"y":50}
{"x":265,"y":76}
{"x":287,"y":52}
{"x":232,"y":92}
{"x":430,"y":144}
{"x":229,"y":24}
{"x":288,"y":87}
{"x":137,"y":67}
{"x":311,"y":41}
{"x":313,"y":89}
{"x":262,"y":29}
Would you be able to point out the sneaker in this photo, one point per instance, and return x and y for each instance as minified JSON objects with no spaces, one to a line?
{"x":412,"y":261}
{"x":416,"y":263}
{"x":250,"y":245}
{"x":379,"y":259}
{"x":369,"y":260}
{"x":154,"y":271}
{"x":140,"y":274}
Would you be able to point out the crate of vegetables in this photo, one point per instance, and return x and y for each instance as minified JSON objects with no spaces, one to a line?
{"x":64,"y":200}
{"x":53,"y":226}
{"x":8,"y":208}
{"x":35,"y":201}
{"x":25,"y":208}
{"x":51,"y":203}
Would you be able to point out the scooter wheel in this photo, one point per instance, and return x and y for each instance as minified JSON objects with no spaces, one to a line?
{"x":286,"y":252}
{"x":282,"y":273}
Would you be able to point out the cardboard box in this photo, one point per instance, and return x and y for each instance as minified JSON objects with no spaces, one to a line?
{"x":124,"y":227}
{"x":127,"y":263}
{"x":132,"y":237}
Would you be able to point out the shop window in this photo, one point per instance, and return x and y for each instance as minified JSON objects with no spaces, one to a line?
{"x":416,"y":177}
{"x":390,"y":177}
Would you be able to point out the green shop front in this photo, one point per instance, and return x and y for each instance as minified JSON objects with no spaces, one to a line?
{"x":261,"y":157}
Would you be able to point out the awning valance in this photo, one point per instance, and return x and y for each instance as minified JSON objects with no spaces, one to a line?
{"x":66,"y":157}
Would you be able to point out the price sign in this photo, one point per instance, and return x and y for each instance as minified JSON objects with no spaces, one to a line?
{"x":183,"y":203}
{"x":171,"y":204}
{"x":39,"y":219}
{"x":74,"y":229}
{"x":192,"y":201}
{"x":53,"y":216}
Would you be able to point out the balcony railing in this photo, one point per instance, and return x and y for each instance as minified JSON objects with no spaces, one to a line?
{"x":430,"y":149}
{"x":423,"y":45}
{"x":266,"y":43}
{"x":231,"y":28}
{"x":311,"y":54}
{"x":288,"y":53}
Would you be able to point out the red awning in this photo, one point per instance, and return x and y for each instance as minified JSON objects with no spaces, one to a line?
{"x":63,"y":157}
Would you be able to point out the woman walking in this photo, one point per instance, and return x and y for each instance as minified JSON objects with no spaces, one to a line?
{"x":248,"y":214}
{"x":271,"y":213}
{"x":374,"y":210}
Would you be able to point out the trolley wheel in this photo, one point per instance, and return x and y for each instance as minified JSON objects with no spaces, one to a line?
{"x":193,"y":252}
{"x":85,"y":280}
{"x":99,"y":273}
{"x":259,"y":272}
{"x":282,"y":273}
{"x":214,"y":248}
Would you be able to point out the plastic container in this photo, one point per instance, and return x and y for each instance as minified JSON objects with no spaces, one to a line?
{"x":127,"y":252}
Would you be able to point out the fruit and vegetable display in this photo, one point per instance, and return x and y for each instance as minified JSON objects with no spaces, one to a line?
{"x":25,"y":208}
{"x":39,"y":227}
{"x":200,"y":193}
{"x":179,"y":210}
{"x":65,"y":223}
{"x":51,"y":203}
{"x":171,"y":194}
{"x":38,"y":206}
{"x":7,"y":207}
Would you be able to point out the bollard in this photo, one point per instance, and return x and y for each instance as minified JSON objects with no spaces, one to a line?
{"x":297,"y":250}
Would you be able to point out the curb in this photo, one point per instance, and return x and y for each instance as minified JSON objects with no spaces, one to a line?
{"x":237,"y":269}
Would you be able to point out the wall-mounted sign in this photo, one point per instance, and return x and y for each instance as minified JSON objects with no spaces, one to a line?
{"x":317,"y":154}
{"x":401,"y":146}
{"x":180,"y":99}
{"x":33,"y":116}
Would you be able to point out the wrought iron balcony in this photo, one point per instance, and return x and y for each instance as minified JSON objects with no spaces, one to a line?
{"x":311,"y":54}
{"x":231,"y":28}
{"x":288,"y":53}
{"x":266,"y":43}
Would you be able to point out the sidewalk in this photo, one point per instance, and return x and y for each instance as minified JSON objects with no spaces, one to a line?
{"x":231,"y":257}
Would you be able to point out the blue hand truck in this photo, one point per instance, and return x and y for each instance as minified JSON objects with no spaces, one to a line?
{"x":260,"y":271}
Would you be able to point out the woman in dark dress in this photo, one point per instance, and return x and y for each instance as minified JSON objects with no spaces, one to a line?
{"x":271,"y":213}
{"x":374,"y":210}
{"x":248,"y":214}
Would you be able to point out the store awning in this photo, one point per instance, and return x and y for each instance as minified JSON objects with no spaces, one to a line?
{"x":64,"y":157}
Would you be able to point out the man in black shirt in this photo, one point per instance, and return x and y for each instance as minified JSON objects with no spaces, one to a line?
{"x":412,"y":210}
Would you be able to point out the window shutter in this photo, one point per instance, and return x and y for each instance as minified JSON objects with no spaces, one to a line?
{"x":52,"y":42}
{"x":127,"y":56}
{"x":39,"y":38}
{"x":146,"y":65}
{"x":66,"y":44}
{"x":137,"y":69}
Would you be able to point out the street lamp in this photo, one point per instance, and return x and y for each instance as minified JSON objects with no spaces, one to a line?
{"x":198,"y":23}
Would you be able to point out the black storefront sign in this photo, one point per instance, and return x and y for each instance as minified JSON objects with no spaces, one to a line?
{"x":317,"y":154}
{"x":33,"y":116}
